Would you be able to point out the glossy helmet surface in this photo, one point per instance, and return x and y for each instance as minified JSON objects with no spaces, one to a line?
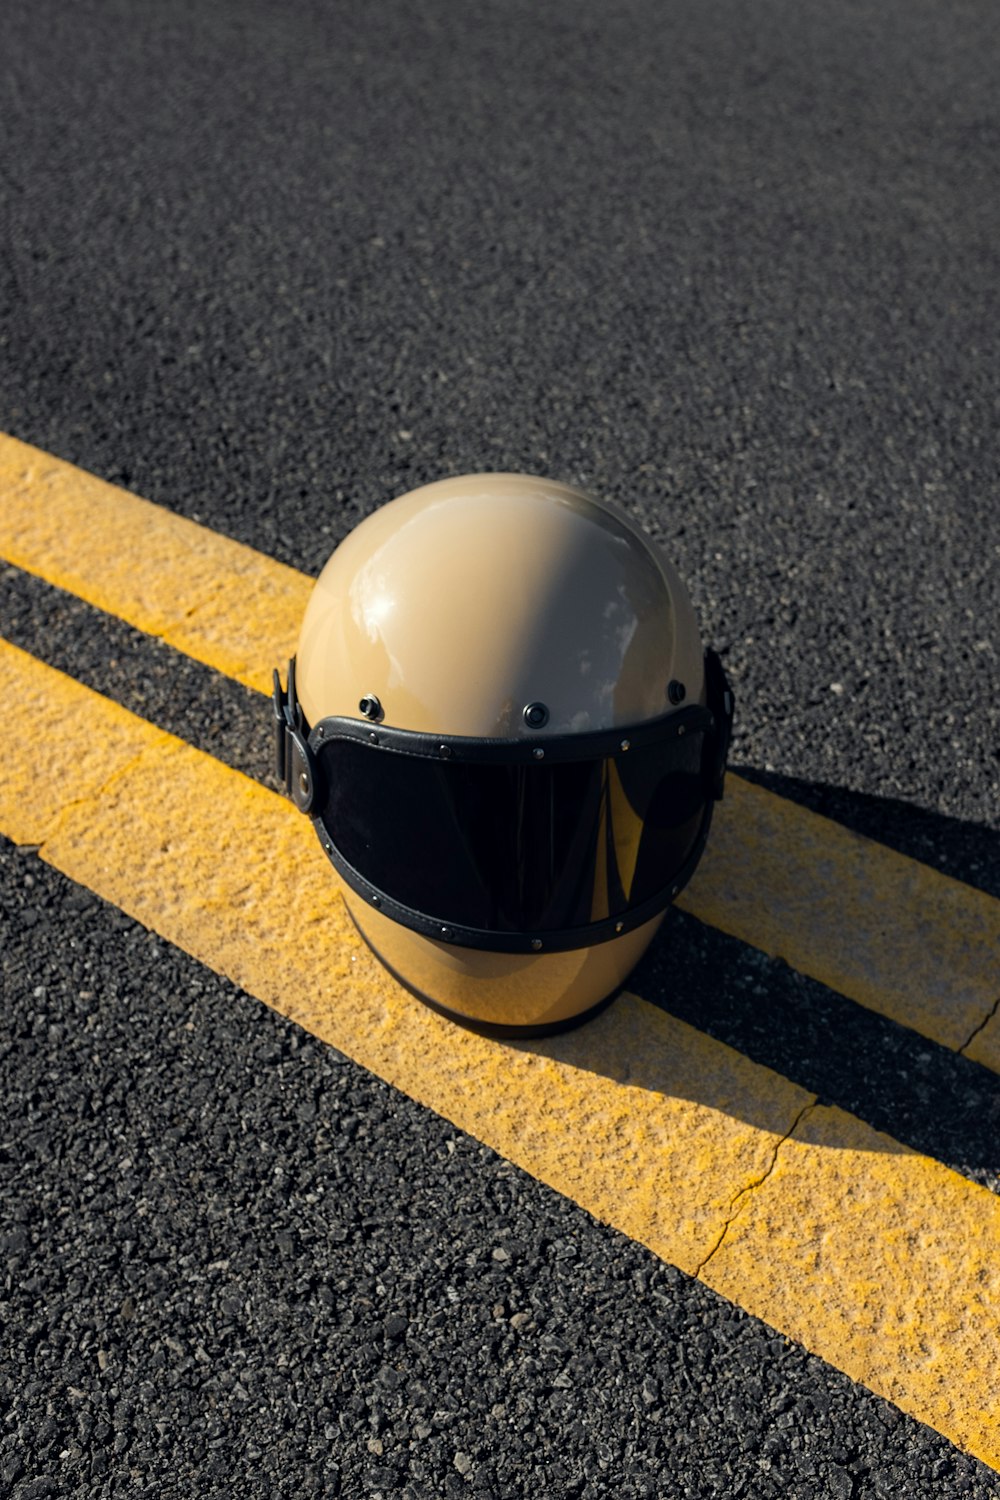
{"x":501,"y":720}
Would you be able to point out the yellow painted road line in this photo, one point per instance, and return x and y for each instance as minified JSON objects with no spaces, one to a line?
{"x":880,"y":928}
{"x":858,"y":1246}
{"x":879,"y":1260}
{"x":230,"y":872}
{"x":212,"y":598}
{"x":885,"y":930}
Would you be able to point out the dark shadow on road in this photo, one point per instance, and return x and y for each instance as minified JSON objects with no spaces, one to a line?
{"x":966,"y":851}
{"x":918,"y":1092}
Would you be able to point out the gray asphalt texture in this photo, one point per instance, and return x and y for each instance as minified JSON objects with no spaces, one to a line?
{"x":734,"y":268}
{"x":923,"y":1094}
{"x":240,"y":1265}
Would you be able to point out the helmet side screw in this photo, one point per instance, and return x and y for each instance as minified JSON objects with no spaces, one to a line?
{"x":536,"y":715}
{"x":304,"y":783}
{"x":676,"y":691}
{"x":371,"y":707}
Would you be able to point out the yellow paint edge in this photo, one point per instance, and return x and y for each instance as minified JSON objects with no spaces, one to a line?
{"x":214,"y":599}
{"x":873,"y":1256}
{"x":882,"y":929}
{"x":713,"y":1162}
{"x":887,"y":931}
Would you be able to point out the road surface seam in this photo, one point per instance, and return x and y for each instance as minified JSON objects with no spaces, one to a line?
{"x":994,"y":1008}
{"x":740,"y":1200}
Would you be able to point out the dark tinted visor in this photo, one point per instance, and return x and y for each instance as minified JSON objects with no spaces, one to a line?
{"x":526,"y":847}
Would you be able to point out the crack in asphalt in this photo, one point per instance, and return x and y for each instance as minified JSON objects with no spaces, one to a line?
{"x":981,"y":1027}
{"x":95,"y":796}
{"x":738,"y":1203}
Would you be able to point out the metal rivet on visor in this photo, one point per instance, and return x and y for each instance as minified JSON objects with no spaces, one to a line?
{"x":444,"y":750}
{"x":619,"y":926}
{"x":626,"y":744}
{"x":446,"y":932}
{"x":376,"y":901}
{"x":536,"y":943}
{"x":538,"y":754}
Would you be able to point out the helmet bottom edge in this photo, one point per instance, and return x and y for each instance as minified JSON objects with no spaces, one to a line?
{"x":496,"y":1030}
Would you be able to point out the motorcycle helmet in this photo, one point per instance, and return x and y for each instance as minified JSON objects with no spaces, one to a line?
{"x":503,"y":726}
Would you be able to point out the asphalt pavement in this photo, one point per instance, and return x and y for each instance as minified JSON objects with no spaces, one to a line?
{"x":735,"y":269}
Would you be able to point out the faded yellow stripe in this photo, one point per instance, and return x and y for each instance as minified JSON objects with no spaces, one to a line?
{"x":671,"y":1137}
{"x":212,"y":598}
{"x":857,"y":1245}
{"x":884,"y":930}
{"x":230,"y":872}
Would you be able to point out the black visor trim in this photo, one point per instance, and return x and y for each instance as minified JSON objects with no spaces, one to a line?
{"x":416,"y":830}
{"x":492,"y":941}
{"x":525,"y":749}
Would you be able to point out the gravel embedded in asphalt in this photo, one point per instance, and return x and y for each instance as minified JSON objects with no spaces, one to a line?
{"x":733,"y":267}
{"x":240,"y":1265}
{"x":923,"y":1094}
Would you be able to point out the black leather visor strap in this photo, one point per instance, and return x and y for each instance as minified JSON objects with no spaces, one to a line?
{"x":294,"y":763}
{"x":295,"y":744}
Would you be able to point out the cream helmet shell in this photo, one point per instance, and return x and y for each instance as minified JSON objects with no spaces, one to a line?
{"x":503,"y":725}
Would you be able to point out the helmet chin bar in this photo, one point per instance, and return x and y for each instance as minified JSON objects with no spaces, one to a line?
{"x":297,"y":767}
